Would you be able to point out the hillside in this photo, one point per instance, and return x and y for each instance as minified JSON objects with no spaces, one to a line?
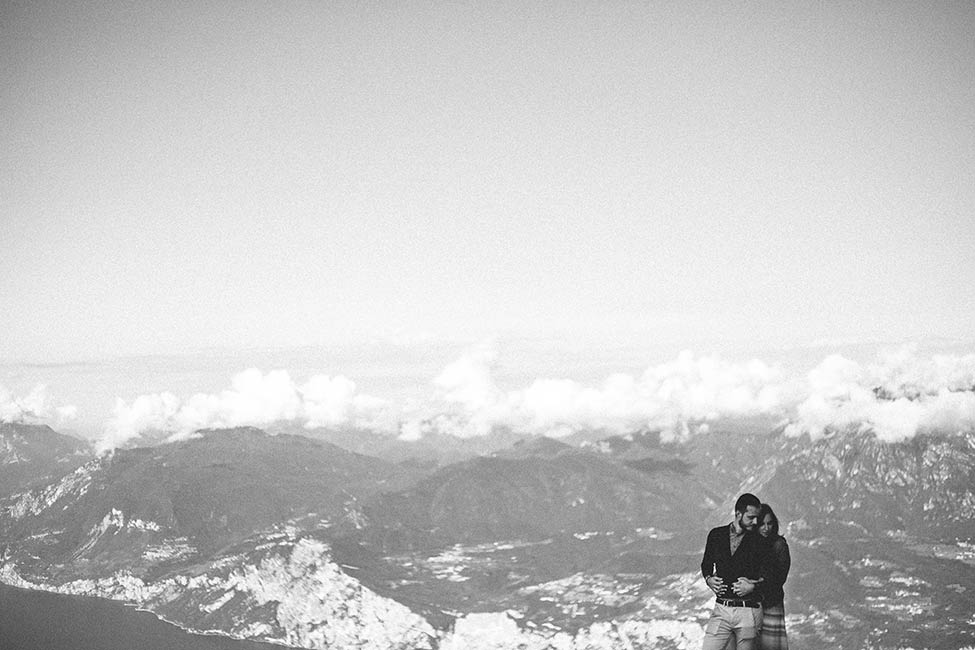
{"x":32,"y":455}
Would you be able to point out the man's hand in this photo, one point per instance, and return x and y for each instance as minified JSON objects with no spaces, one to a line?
{"x":716,"y":584}
{"x":744,"y":586}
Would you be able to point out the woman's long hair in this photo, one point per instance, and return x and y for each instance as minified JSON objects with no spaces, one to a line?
{"x":766,"y":509}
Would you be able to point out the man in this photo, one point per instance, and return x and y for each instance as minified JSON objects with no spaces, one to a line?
{"x":735,"y":564}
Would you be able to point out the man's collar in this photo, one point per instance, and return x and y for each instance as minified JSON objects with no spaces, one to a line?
{"x":737,"y":532}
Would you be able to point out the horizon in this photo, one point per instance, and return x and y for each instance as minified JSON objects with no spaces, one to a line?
{"x":409,"y":391}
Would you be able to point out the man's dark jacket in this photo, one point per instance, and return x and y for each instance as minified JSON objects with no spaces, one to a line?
{"x":751,"y":560}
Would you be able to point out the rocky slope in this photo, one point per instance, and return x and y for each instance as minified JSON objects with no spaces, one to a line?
{"x":923,"y":486}
{"x":32,"y":455}
{"x":210,"y":491}
{"x":278,"y":587}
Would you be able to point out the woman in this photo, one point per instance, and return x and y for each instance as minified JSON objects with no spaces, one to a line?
{"x":773,"y":635}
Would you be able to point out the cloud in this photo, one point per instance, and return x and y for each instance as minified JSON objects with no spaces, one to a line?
{"x":254,"y":399}
{"x":667,"y":396}
{"x":468,"y":381}
{"x":333,"y":401}
{"x":36,"y":406}
{"x":465,"y":402}
{"x":896,"y":397}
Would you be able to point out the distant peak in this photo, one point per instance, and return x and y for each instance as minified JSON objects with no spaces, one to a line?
{"x":540,"y":446}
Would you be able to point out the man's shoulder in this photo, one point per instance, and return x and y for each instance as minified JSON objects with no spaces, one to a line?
{"x":719,"y":530}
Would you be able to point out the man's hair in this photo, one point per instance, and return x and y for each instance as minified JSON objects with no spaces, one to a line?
{"x":746,"y":500}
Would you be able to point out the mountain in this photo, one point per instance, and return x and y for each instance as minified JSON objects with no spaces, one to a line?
{"x":431,"y":451}
{"x":539,"y":544}
{"x":540,"y":447}
{"x":280,"y":586}
{"x":32,"y":455}
{"x":489,"y":533}
{"x":532,"y":491}
{"x":226,"y":532}
{"x":247,"y":533}
{"x":208,"y":492}
{"x":886,"y":529}
{"x":922,"y":486}
{"x":717,"y":465}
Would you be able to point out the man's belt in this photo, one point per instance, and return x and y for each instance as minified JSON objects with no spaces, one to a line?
{"x":730,"y":602}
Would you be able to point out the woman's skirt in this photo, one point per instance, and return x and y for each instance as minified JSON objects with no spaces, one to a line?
{"x":773,"y":635}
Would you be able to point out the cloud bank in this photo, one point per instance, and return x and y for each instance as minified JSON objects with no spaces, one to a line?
{"x":36,"y":406}
{"x":468,"y":402}
{"x":254,"y":399}
{"x":898,"y":396}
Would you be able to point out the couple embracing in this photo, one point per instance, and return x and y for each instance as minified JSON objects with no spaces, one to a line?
{"x":745,"y":564}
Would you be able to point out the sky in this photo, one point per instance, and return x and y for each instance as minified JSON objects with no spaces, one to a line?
{"x":353,"y":185}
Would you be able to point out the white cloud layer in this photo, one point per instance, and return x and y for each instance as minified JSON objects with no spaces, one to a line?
{"x":469,"y":402}
{"x":898,"y":396}
{"x":35,"y":406}
{"x":254,"y":399}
